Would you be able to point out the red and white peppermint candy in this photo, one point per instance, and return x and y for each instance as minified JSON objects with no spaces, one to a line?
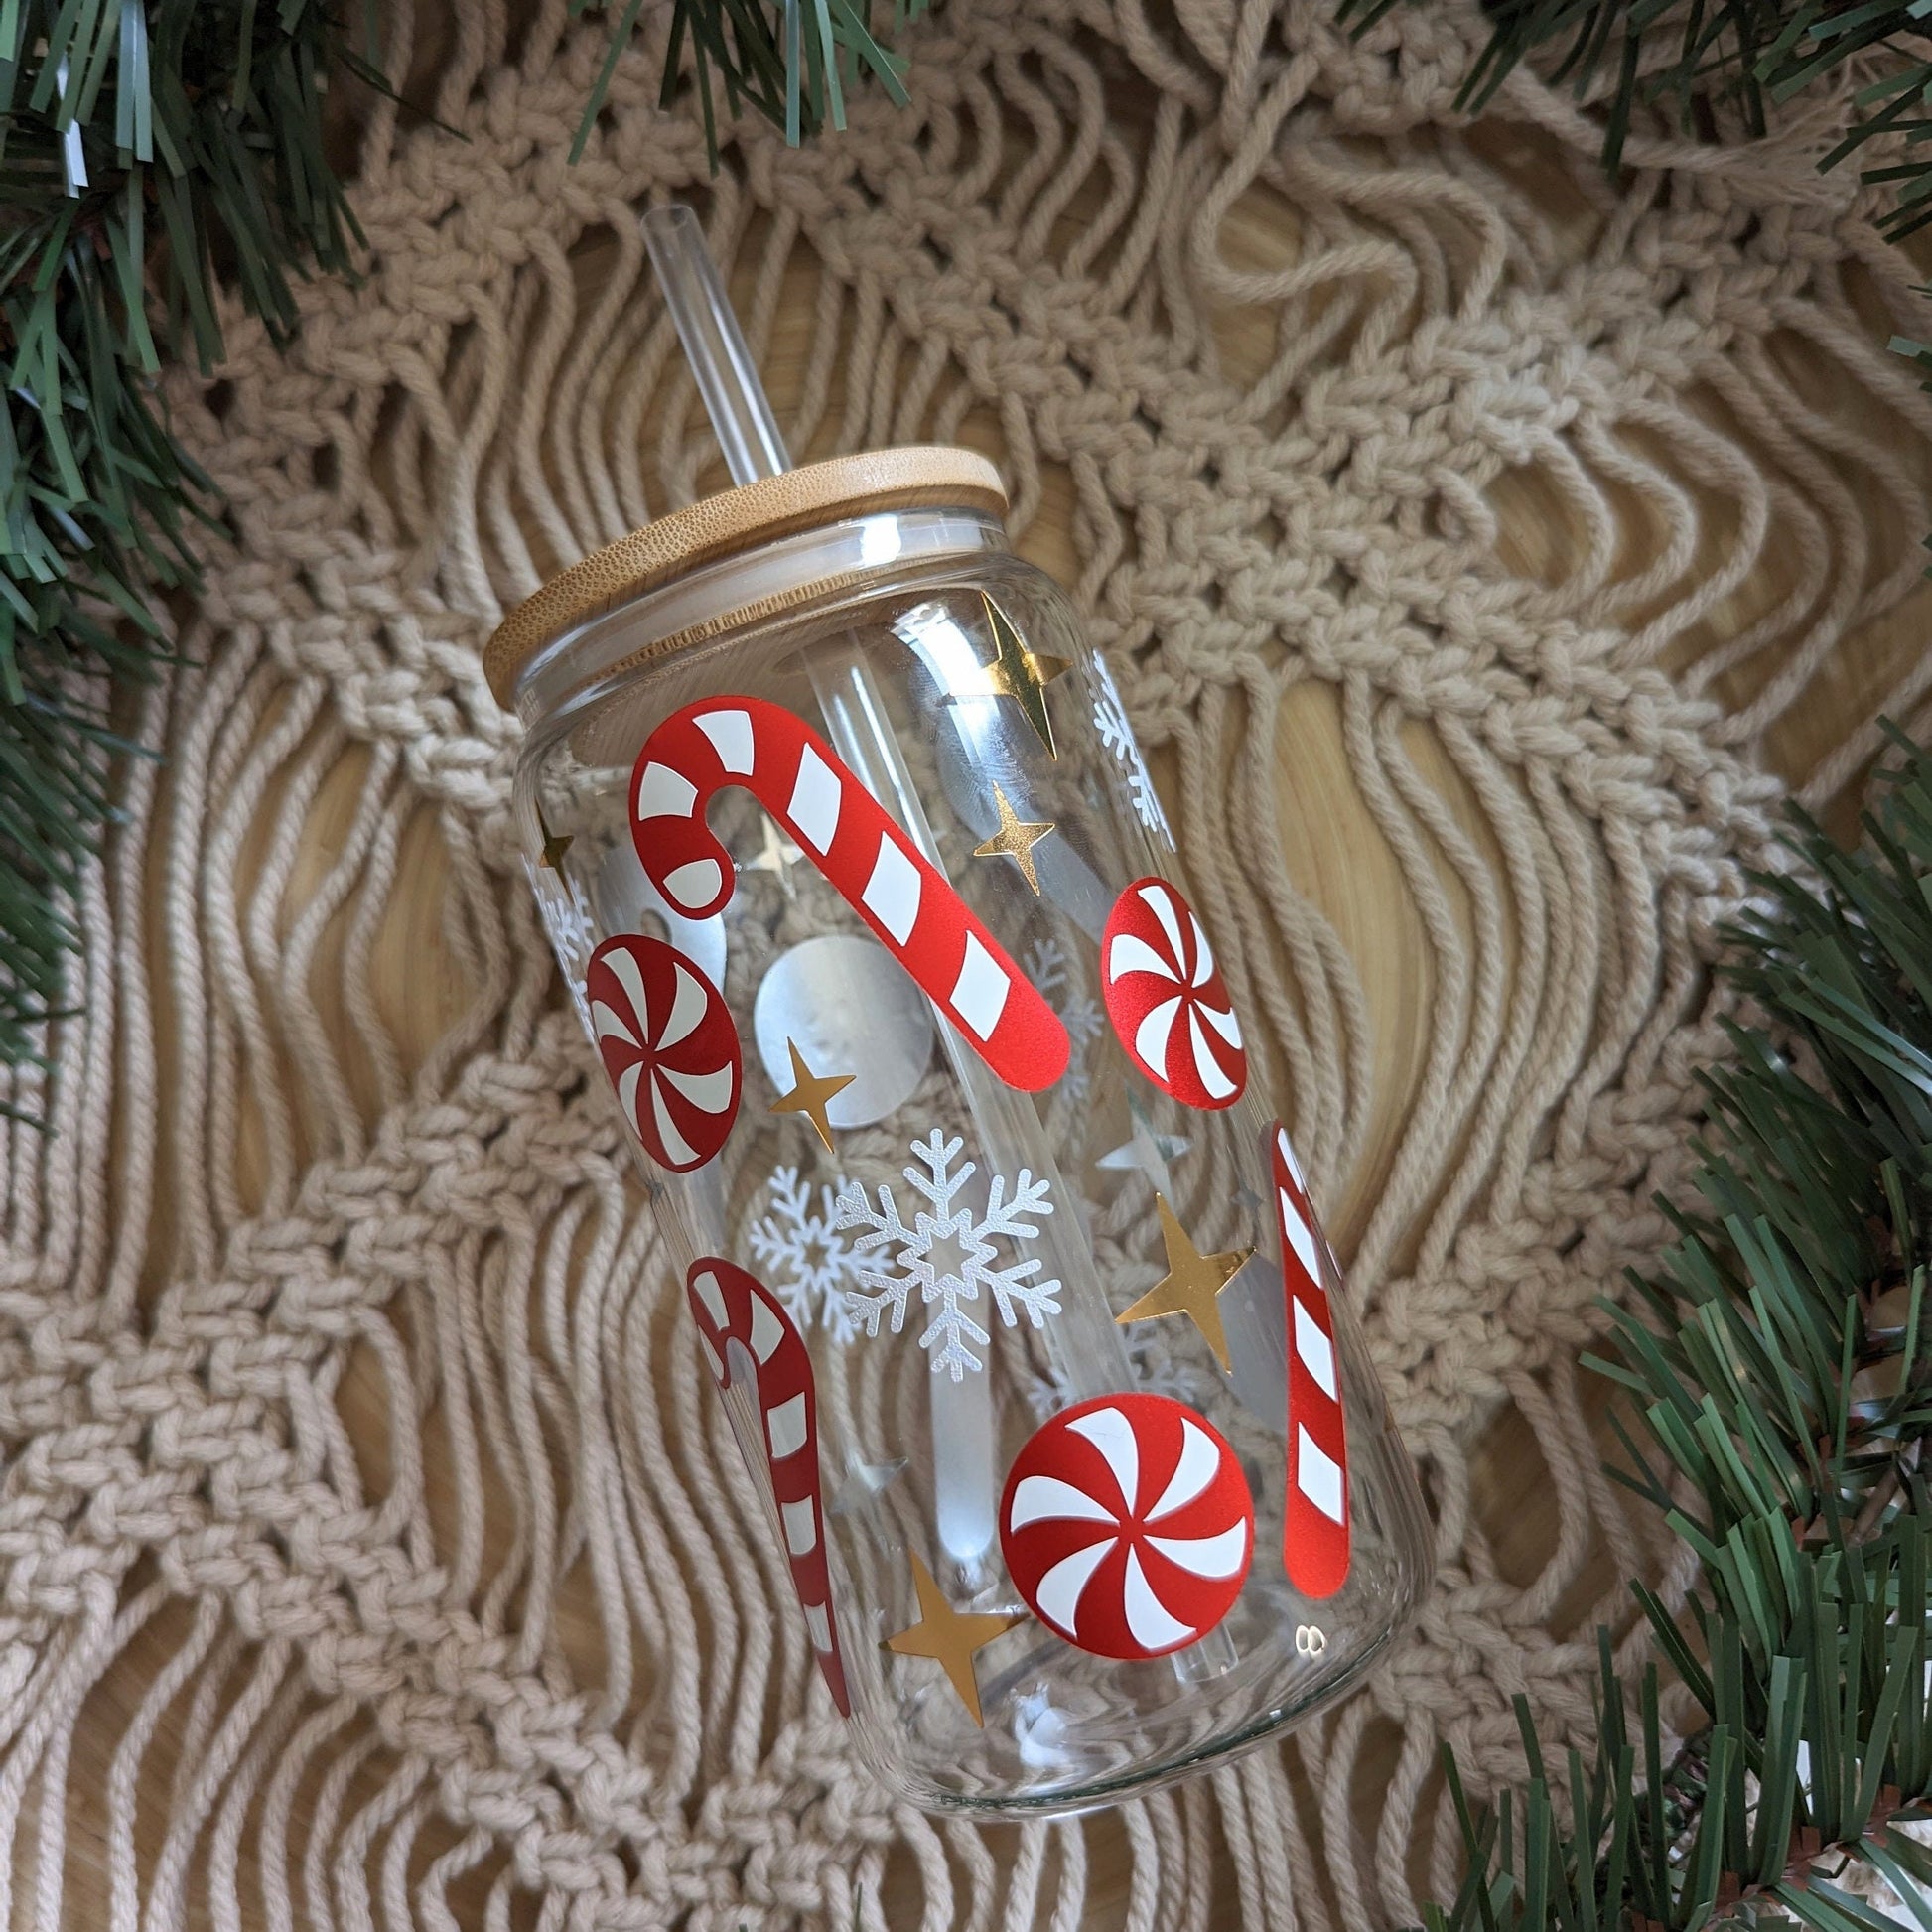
{"x":1167,"y":999}
{"x":1315,"y":1538}
{"x":740,"y":1321}
{"x":668,"y":1044}
{"x":1127,"y":1525}
{"x":875,"y":867}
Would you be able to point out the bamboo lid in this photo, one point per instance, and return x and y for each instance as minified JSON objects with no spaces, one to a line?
{"x":927,"y":476}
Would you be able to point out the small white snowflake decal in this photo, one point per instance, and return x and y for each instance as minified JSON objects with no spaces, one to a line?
{"x":948,"y":1254}
{"x":1110,"y":720}
{"x":805,"y":1261}
{"x":566,"y":919}
{"x":1048,"y":968}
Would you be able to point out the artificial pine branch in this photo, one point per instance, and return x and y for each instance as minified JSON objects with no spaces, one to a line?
{"x":140,"y":145}
{"x":791,"y":60}
{"x":1709,"y":58}
{"x":1781,"y":1375}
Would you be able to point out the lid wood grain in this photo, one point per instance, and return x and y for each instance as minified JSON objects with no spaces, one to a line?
{"x":927,"y":476}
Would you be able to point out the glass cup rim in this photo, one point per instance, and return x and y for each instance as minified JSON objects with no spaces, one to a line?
{"x":745,"y":591}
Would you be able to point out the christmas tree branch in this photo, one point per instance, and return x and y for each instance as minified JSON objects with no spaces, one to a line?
{"x":1780,"y":1377}
{"x":1712,"y":58}
{"x":140,"y":145}
{"x":791,"y":60}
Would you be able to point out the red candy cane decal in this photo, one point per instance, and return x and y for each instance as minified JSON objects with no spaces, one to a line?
{"x":803,"y":783}
{"x":1315,"y":1533}
{"x":733,"y":1307}
{"x":668,"y":1046}
{"x":1167,"y":999}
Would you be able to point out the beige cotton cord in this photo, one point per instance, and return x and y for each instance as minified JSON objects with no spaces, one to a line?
{"x":351,"y":1566}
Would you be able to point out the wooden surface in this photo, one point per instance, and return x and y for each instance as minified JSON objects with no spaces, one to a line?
{"x":1336,"y":854}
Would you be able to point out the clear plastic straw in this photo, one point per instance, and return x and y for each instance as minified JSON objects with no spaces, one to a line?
{"x":714,"y":345}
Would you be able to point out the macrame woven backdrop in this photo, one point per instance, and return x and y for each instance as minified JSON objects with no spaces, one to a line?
{"x":353,"y":1567}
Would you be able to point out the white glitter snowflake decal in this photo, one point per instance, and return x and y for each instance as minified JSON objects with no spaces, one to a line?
{"x":948,"y":1254}
{"x":1110,"y":720}
{"x":1048,"y":968}
{"x":805,"y":1261}
{"x":566,"y":919}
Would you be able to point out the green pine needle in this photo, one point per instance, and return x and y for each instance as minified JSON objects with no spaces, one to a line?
{"x":1779,"y":1370}
{"x":791,"y":60}
{"x":196,"y":124}
{"x":1710,"y":58}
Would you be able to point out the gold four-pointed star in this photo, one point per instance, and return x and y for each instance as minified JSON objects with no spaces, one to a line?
{"x":811,"y":1094}
{"x":949,"y":1638}
{"x":554,"y":845}
{"x":1015,"y":839}
{"x":1020,"y":673}
{"x":1192,"y":1285}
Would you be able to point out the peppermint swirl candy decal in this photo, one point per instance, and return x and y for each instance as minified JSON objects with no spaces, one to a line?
{"x":668,"y":1046}
{"x":1128,"y":1526}
{"x":1166,"y":999}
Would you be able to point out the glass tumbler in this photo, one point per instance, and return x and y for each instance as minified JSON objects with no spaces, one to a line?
{"x":990,"y":1235}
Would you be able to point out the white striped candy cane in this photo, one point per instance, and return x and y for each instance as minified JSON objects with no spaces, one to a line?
{"x":804,"y":784}
{"x":1315,"y":1535}
{"x":732,"y":1306}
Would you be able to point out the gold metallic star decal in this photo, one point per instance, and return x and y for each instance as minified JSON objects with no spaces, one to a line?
{"x":1019,"y":674}
{"x":949,"y":1638}
{"x":1015,"y":838}
{"x":810,"y":1094}
{"x":1192,"y":1285}
{"x":554,"y":846}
